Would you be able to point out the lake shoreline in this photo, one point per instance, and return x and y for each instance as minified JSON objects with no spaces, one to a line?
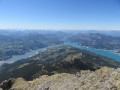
{"x":26,"y":55}
{"x":106,"y":53}
{"x":113,"y":51}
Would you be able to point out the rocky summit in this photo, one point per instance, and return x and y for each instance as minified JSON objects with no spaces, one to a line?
{"x":102,"y":79}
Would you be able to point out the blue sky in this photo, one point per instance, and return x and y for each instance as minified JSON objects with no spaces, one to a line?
{"x":60,"y":14}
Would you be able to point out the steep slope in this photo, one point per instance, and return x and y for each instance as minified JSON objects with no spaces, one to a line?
{"x":102,"y":79}
{"x":62,"y":59}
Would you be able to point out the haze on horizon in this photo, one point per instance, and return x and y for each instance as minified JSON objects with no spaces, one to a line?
{"x":60,"y":14}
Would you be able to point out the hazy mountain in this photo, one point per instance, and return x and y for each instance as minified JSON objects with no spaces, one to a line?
{"x":20,"y":44}
{"x":115,"y":33}
{"x":96,"y":40}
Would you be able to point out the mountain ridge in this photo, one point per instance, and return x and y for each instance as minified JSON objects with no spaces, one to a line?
{"x":63,"y":59}
{"x":102,"y":79}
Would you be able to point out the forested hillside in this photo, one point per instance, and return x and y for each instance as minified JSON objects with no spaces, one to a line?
{"x":62,"y":59}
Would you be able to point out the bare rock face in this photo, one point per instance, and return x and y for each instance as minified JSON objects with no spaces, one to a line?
{"x":102,"y":79}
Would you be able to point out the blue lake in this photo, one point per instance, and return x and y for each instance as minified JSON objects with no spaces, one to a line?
{"x":108,"y":54}
{"x":26,"y":55}
{"x":105,"y":53}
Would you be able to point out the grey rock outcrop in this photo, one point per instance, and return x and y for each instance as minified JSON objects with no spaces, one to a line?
{"x":102,"y":79}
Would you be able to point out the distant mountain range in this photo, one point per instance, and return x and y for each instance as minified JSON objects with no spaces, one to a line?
{"x":115,"y":33}
{"x":11,"y":45}
{"x":96,"y":40}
